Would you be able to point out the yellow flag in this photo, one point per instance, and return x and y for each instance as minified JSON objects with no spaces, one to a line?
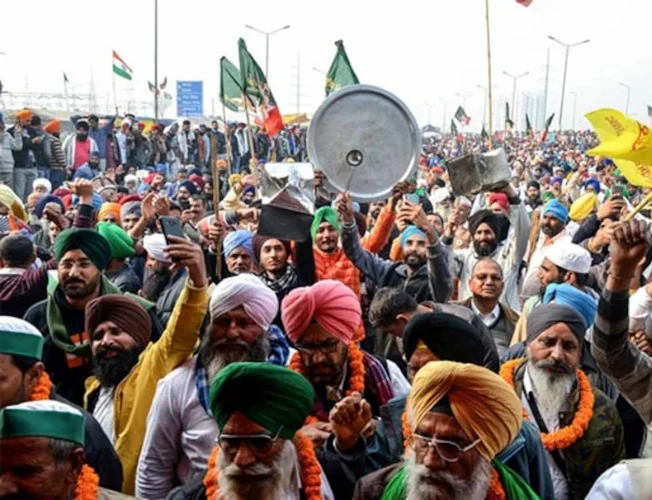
{"x":626,"y":141}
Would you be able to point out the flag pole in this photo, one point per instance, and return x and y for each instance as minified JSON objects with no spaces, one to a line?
{"x":249,"y":132}
{"x":115,"y":95}
{"x":228,"y":142}
{"x":216,"y":203}
{"x":491,"y":116}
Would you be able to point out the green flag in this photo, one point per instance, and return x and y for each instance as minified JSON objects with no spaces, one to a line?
{"x":484,"y":133}
{"x":340,"y":73}
{"x":544,"y":132}
{"x":509,"y":124}
{"x":230,"y":89}
{"x":461,"y":116}
{"x":528,"y":126}
{"x":453,"y":127}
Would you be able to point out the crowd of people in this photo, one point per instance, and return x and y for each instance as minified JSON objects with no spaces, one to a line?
{"x":430,"y":345}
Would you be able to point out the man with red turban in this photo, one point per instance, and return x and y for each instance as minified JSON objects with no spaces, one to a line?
{"x":321,"y":320}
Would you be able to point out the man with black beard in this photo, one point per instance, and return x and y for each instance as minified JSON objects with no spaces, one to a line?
{"x":180,"y":428}
{"x":127,"y":365}
{"x":503,"y":239}
{"x":78,"y":147}
{"x":424,"y":275}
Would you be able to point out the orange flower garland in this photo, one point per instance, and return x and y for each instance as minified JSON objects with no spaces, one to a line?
{"x":356,"y":368}
{"x":310,"y":470}
{"x":88,"y":484}
{"x":566,"y":436}
{"x":43,"y":388}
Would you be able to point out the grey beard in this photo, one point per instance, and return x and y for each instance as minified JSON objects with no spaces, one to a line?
{"x":213,"y":357}
{"x":552,"y":389}
{"x":475,"y":486}
{"x":259,"y":481}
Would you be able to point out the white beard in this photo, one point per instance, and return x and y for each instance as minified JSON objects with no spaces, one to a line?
{"x":247,"y":484}
{"x":473,"y":488}
{"x":552,"y":390}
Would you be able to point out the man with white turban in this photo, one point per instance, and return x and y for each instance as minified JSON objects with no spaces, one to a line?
{"x":456,"y":433}
{"x":181,"y":430}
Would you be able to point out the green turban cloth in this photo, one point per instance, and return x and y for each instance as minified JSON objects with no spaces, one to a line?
{"x":93,"y":244}
{"x":324,"y":214}
{"x":272,"y":396}
{"x":120,"y":242}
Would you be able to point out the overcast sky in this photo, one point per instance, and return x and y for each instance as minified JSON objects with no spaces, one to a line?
{"x":423,"y":51}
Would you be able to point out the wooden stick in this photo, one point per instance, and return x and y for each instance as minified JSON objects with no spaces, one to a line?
{"x":250,"y":133}
{"x":644,"y":202}
{"x":216,"y":203}
{"x":228,"y":144}
{"x":491,"y":114}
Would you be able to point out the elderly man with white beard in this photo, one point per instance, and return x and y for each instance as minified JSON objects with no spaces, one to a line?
{"x":455,"y":432}
{"x":580,"y":426}
{"x":180,"y":428}
{"x":260,"y":452}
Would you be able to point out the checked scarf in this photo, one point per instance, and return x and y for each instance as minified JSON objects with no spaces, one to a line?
{"x":285,"y":283}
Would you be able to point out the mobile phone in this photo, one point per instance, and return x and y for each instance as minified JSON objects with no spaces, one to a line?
{"x":412,"y":198}
{"x":618,"y":190}
{"x":184,"y":204}
{"x":171,"y":226}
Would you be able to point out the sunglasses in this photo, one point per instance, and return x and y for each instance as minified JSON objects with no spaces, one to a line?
{"x":258,"y":443}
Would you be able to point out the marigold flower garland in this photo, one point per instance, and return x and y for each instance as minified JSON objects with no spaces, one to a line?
{"x":310,"y":470}
{"x":356,"y":369}
{"x":43,"y":388}
{"x":495,"y":491}
{"x":88,"y":484}
{"x":566,"y":436}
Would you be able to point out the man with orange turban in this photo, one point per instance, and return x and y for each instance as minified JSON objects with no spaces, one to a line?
{"x":24,"y":170}
{"x":321,"y":320}
{"x":57,"y":158}
{"x":110,"y":212}
{"x":457,"y":431}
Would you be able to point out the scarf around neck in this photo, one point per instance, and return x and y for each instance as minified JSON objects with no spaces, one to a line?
{"x":285,"y":283}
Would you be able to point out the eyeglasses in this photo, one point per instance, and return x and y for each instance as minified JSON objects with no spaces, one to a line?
{"x":447,"y":450}
{"x":258,"y":443}
{"x":326,"y":348}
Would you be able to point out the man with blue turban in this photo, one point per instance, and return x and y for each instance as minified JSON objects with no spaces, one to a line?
{"x":238,"y":252}
{"x":554,"y":217}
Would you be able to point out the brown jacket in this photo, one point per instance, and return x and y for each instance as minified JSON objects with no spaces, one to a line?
{"x":371,"y":486}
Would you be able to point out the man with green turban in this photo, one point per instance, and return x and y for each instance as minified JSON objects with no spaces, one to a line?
{"x":122,"y":247}
{"x":259,"y":408}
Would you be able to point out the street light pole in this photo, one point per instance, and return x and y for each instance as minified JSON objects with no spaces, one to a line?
{"x":626,"y":102}
{"x":515,"y":79}
{"x":567,"y":47}
{"x":484,"y":107}
{"x":267,"y":35}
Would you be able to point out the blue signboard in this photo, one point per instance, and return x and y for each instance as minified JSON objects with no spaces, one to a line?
{"x":190,"y":98}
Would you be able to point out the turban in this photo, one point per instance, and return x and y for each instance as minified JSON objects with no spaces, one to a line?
{"x":447,"y":336}
{"x":324,"y":214}
{"x":130,"y":208}
{"x":410,"y":231}
{"x":484,"y":405}
{"x":221,"y":164}
{"x":83,"y":172}
{"x":249,"y":189}
{"x":557,"y":209}
{"x":329,"y":303}
{"x":43,"y":183}
{"x":238,"y":239}
{"x":109,"y":209}
{"x":61,"y":192}
{"x":24,"y":114}
{"x":556,"y":180}
{"x":126,"y":313}
{"x":53,"y":127}
{"x":274,"y":397}
{"x":155,"y":245}
{"x":130,"y":197}
{"x":498,"y":223}
{"x":233,"y":178}
{"x":567,"y":295}
{"x":569,"y":256}
{"x":500,"y":198}
{"x":583,"y":206}
{"x":121,"y":244}
{"x":534,"y":184}
{"x":66,"y":199}
{"x":547,"y":196}
{"x":546,"y":316}
{"x":192,"y":189}
{"x":46,"y":419}
{"x":20,"y":338}
{"x":13,"y":203}
{"x":48,"y":198}
{"x":194,"y":171}
{"x":91,"y":243}
{"x":594,"y":183}
{"x":129,"y":178}
{"x":162,"y":168}
{"x":246,"y":291}
{"x":97,"y":200}
{"x":259,"y":240}
{"x":82,"y":124}
{"x":197,"y":180}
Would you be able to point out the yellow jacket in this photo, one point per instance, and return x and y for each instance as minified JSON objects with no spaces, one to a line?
{"x":133,"y":396}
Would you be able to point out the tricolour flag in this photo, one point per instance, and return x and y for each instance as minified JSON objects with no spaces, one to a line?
{"x":255,"y":87}
{"x":164,"y":84}
{"x":546,"y":127}
{"x":453,"y":127}
{"x":230,"y":81}
{"x":461,"y":116}
{"x":341,"y":72}
{"x":152,"y":88}
{"x":121,"y":68}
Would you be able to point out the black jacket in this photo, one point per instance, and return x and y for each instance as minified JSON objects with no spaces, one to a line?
{"x":22,"y":157}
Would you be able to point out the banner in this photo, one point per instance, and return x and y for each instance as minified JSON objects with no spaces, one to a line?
{"x":230,"y":90}
{"x":341,"y":72}
{"x":461,"y":116}
{"x":621,"y":137}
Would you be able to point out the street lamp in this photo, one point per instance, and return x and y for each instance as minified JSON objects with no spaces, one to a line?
{"x":574,"y":94}
{"x":267,"y":35}
{"x":566,"y":46}
{"x":627,"y":102}
{"x":514,"y":78}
